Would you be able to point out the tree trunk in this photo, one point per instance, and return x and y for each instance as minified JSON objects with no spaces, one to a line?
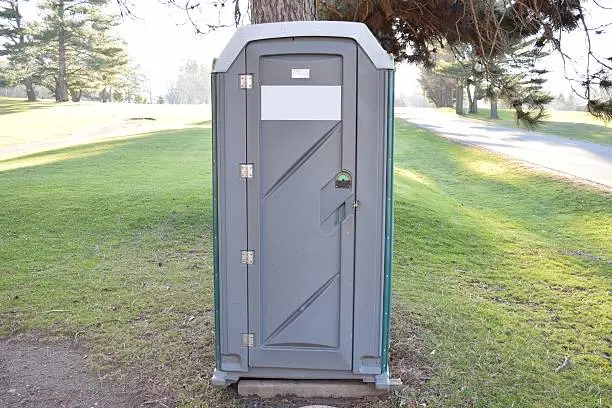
{"x":29,"y":84}
{"x":61,"y":93}
{"x":268,"y":11}
{"x":473,"y":102}
{"x":76,"y":95}
{"x":459,"y":100}
{"x":494,"y":113}
{"x":470,"y":99}
{"x":474,"y":106}
{"x":105,"y":95}
{"x":31,"y":92}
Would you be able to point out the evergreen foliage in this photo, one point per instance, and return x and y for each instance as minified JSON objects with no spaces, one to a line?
{"x":72,"y":51}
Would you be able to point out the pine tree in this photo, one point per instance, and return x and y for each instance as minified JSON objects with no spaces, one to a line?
{"x":437,"y":88}
{"x":462,"y":64}
{"x":81,"y":52}
{"x":414,"y":30}
{"x":515,"y":79}
{"x":17,"y":47}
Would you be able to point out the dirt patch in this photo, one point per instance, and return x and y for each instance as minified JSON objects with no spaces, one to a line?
{"x":53,"y":373}
{"x":408,"y":358}
{"x":37,"y":371}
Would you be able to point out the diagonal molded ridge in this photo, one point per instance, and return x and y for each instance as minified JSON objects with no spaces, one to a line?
{"x":293,"y":316}
{"x":302,"y":159}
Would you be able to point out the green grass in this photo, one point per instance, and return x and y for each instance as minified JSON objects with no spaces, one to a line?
{"x":110,"y":243}
{"x":13,"y":105}
{"x":571,"y":125}
{"x":510,"y":271}
{"x":504,"y":271}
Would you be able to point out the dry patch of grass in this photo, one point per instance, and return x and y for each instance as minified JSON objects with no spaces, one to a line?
{"x":25,"y":123}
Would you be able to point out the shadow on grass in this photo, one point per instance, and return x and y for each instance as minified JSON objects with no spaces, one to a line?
{"x":8,"y":106}
{"x":77,"y":152}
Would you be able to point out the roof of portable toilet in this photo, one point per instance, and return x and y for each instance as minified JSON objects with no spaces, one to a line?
{"x":254,"y":32}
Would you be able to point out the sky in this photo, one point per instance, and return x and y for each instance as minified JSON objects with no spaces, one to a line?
{"x":160,"y":39}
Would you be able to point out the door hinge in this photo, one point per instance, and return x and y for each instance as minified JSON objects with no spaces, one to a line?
{"x":246,"y":81}
{"x":248,"y":340}
{"x":247,"y":257}
{"x":246,"y":171}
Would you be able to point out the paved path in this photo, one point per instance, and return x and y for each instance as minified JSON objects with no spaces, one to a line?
{"x":585,"y":160}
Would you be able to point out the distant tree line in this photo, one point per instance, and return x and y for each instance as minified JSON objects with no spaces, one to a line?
{"x":72,"y":50}
{"x":568,"y":103}
{"x":191,"y":86}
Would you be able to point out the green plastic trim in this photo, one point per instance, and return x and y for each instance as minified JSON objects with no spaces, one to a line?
{"x":388,"y":260}
{"x":215,"y":226}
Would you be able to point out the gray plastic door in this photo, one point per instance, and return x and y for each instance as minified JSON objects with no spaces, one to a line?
{"x":301,"y":140}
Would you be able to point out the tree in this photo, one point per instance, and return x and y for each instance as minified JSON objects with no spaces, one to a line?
{"x":444,"y":83}
{"x":459,"y":63}
{"x":17,"y":47}
{"x":110,"y":62}
{"x":413,"y":30}
{"x":515,"y":79}
{"x":118,"y":96}
{"x":78,"y":45}
{"x":455,"y":73}
{"x":3,"y":74}
{"x":437,"y":88}
{"x":131,"y":82}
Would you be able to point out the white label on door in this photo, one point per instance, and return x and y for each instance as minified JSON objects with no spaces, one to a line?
{"x":295,"y":102}
{"x":300,"y":73}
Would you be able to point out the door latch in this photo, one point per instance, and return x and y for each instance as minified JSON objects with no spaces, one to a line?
{"x":344,"y":179}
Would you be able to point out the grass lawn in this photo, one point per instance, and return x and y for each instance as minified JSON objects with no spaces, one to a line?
{"x":502,"y":272}
{"x":572,"y":125}
{"x":25,"y":123}
{"x":510,"y":272}
{"x":14,"y":105}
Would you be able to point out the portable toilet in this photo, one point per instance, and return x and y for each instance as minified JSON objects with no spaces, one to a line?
{"x":303,"y":203}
